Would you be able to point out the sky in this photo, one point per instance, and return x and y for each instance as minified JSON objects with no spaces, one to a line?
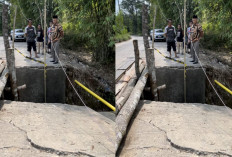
{"x":116,"y":5}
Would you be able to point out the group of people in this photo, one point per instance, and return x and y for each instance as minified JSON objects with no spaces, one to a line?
{"x":194,"y":34}
{"x":35,"y":38}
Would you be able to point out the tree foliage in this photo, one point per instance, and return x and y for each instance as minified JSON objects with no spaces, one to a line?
{"x":87,"y":23}
{"x":133,"y":15}
{"x":121,"y":33}
{"x":214,"y":15}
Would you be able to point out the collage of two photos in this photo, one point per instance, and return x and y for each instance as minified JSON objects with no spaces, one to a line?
{"x":57,"y":78}
{"x":124,"y":78}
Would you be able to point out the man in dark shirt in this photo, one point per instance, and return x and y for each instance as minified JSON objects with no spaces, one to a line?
{"x":170,"y":34}
{"x":180,"y":35}
{"x":39,"y":39}
{"x":30,"y":33}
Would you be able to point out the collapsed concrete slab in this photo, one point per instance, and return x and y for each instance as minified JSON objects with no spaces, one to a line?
{"x":175,"y":129}
{"x":34,"y":129}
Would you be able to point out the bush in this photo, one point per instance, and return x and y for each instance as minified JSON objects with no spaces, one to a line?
{"x":121,"y":37}
{"x":72,"y":39}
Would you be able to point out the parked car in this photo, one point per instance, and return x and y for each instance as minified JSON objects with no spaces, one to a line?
{"x":19,"y":35}
{"x":159,"y":35}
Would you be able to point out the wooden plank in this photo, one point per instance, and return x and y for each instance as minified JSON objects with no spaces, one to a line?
{"x":119,"y":74}
{"x":130,"y":73}
{"x":124,"y":94}
{"x":2,"y":67}
{"x":126,"y":65}
{"x":3,"y":80}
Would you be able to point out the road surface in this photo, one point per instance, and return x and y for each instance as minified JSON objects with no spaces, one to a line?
{"x":164,"y":129}
{"x":125,"y":50}
{"x":52,"y":130}
{"x":21,"y":61}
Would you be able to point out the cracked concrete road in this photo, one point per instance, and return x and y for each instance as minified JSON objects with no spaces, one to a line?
{"x":164,"y":129}
{"x":47,"y":130}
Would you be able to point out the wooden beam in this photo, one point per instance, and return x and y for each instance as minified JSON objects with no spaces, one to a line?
{"x":5,"y":30}
{"x":3,"y":80}
{"x":13,"y":38}
{"x":136,"y":50}
{"x":150,"y":57}
{"x":127,"y":91}
{"x":10,"y":57}
{"x":128,"y":109}
{"x":153,"y":35}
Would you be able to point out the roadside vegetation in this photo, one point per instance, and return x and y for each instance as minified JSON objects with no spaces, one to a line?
{"x":121,"y":32}
{"x":87,"y":24}
{"x":214,"y":15}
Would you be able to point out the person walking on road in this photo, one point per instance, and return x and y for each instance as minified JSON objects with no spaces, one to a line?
{"x":196,"y":34}
{"x":180,"y":35}
{"x":56,"y":34}
{"x":30,"y":33}
{"x":170,"y":33}
{"x":40,"y":39}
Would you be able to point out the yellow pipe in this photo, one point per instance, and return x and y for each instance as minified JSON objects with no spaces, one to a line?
{"x":96,"y":96}
{"x":226,"y":89}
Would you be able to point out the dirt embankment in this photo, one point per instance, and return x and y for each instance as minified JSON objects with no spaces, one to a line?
{"x":97,"y":77}
{"x":218,"y":67}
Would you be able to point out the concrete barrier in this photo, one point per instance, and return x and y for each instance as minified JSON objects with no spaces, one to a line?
{"x":173,"y":77}
{"x":33,"y":77}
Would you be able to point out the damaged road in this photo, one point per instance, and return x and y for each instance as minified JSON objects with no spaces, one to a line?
{"x":176,"y":129}
{"x":47,"y":130}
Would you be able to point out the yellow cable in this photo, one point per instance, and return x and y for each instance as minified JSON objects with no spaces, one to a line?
{"x":96,"y":96}
{"x":222,"y":86}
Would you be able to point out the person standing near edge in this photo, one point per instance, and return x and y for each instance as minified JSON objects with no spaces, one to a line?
{"x":49,"y":38}
{"x":189,"y":37}
{"x":170,"y":34}
{"x":40,"y":39}
{"x":180,"y":35}
{"x":56,"y":34}
{"x":196,"y":34}
{"x":30,"y":33}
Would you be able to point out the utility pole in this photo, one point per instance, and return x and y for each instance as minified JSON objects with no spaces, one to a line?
{"x":184,"y":51}
{"x":153,"y":36}
{"x":45,"y":33}
{"x":13,"y":38}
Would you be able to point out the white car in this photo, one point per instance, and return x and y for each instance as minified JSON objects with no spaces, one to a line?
{"x":19,"y":35}
{"x":159,"y":35}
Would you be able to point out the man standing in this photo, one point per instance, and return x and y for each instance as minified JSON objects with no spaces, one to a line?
{"x":56,"y":34}
{"x":189,"y":37}
{"x":30,"y":33}
{"x":49,"y":37}
{"x":39,"y":39}
{"x":196,"y":34}
{"x":180,"y":40}
{"x":170,"y":34}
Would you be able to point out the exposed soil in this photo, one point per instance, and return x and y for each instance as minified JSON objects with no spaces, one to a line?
{"x":95,"y":76}
{"x":218,"y":67}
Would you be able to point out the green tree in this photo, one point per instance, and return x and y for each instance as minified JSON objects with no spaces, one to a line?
{"x":87,"y":23}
